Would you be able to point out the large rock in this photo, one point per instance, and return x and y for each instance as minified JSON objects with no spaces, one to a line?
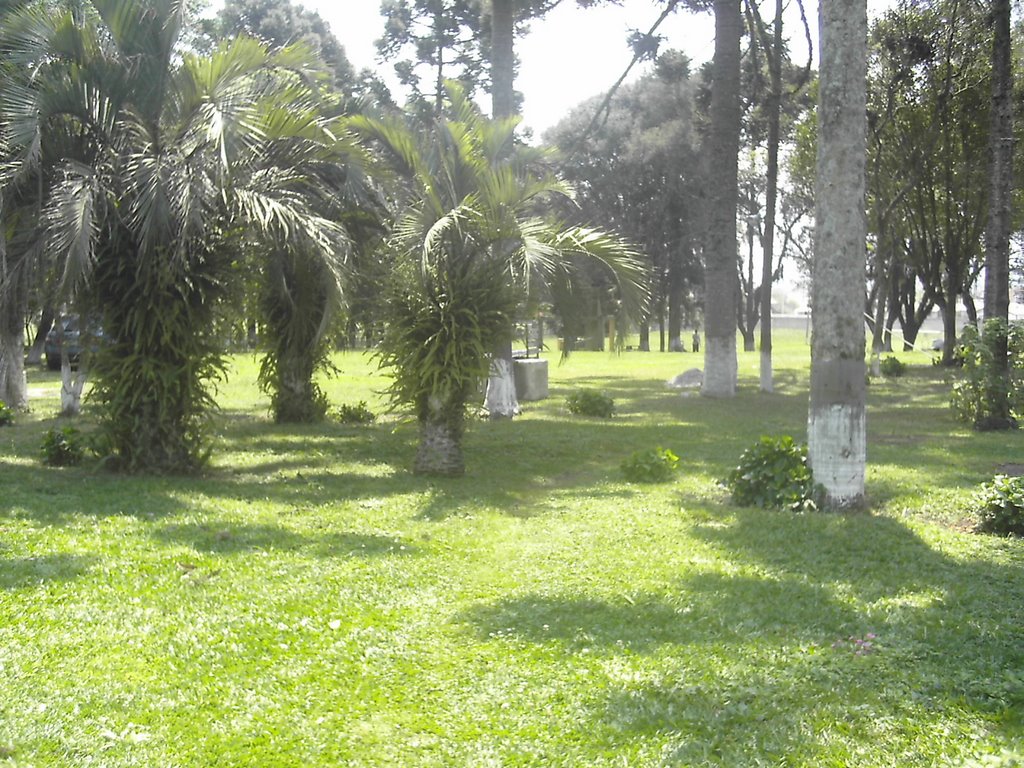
{"x":691,"y":379}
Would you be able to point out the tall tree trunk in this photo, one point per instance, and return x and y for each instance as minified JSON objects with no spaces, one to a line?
{"x":997,"y":232}
{"x":721,"y":278}
{"x":675,"y":301}
{"x":837,"y":420}
{"x":503,"y":18}
{"x":771,"y":199}
{"x":501,"y":401}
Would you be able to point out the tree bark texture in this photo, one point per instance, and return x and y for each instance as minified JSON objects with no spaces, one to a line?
{"x":837,"y":422}
{"x":503,"y":19}
{"x":997,"y":233}
{"x":440,"y":449}
{"x":720,"y":277}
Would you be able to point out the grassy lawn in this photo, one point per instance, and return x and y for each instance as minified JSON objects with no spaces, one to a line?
{"x":309,"y":602}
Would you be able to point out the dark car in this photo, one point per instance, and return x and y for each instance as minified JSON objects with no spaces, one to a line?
{"x":66,"y":334}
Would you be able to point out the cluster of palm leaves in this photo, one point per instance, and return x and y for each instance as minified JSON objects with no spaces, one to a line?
{"x":143,"y":180}
{"x":472,"y":239}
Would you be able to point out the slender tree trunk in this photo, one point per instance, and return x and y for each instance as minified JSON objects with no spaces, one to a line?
{"x":750,"y":316}
{"x":35,"y":352}
{"x":645,"y":335}
{"x":771,"y":199}
{"x":721,"y":278}
{"x":503,"y":17}
{"x":997,"y":232}
{"x":837,"y":421}
{"x":501,"y":401}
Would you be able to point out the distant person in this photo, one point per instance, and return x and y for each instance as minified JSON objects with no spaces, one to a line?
{"x":696,"y":341}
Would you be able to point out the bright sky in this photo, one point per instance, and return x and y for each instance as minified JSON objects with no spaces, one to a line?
{"x":571,"y":54}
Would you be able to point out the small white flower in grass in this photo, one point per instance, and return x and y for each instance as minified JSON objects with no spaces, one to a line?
{"x":334,"y":624}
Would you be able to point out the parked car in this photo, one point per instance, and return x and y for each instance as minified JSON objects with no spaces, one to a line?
{"x":66,"y":334}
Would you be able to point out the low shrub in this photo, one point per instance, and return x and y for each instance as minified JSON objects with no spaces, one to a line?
{"x":892,"y":367}
{"x":63,"y":447}
{"x":6,"y":414}
{"x":989,"y":393}
{"x":590,"y":402}
{"x":355,"y":414}
{"x":1000,"y":506}
{"x":774,"y":473}
{"x":651,"y":465}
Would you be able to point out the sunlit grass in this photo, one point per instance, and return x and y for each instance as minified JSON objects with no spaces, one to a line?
{"x":309,"y":602}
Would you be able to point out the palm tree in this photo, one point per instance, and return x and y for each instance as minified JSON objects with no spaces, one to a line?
{"x":163,"y":171}
{"x":469,"y":243}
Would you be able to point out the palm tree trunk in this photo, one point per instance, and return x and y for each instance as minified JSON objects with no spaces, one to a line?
{"x":440,"y":448}
{"x":721,"y":278}
{"x":837,"y":421}
{"x":13,"y":385}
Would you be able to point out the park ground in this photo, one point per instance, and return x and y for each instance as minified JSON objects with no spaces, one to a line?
{"x":307,"y":601}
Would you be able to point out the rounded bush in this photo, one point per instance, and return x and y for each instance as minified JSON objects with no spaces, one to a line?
{"x":355,"y":414}
{"x":62,"y":447}
{"x":892,"y":367}
{"x":590,"y":402}
{"x":774,"y":473}
{"x":1000,"y":506}
{"x":651,"y":465}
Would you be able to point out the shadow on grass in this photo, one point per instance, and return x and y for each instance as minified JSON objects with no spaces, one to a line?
{"x":708,"y":608}
{"x":23,"y":572}
{"x":236,"y":539}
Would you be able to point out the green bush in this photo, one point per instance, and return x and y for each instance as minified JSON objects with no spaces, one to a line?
{"x":774,"y":473}
{"x":1001,"y":506}
{"x":62,"y":447}
{"x":6,"y":414}
{"x":988,"y":394}
{"x":355,"y":414}
{"x":892,"y":367}
{"x":590,"y":402}
{"x":651,"y":465}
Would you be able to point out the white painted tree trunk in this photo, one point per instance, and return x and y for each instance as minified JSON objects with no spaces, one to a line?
{"x":71,"y":385}
{"x":719,"y":366}
{"x":837,"y":421}
{"x":501,"y":401}
{"x":766,"y":378}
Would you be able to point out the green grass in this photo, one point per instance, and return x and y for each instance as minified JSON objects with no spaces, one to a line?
{"x":309,"y":602}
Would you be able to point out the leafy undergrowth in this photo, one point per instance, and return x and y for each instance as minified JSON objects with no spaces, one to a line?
{"x":309,"y":602}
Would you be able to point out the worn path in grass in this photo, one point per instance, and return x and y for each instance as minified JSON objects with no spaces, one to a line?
{"x":309,"y":602}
